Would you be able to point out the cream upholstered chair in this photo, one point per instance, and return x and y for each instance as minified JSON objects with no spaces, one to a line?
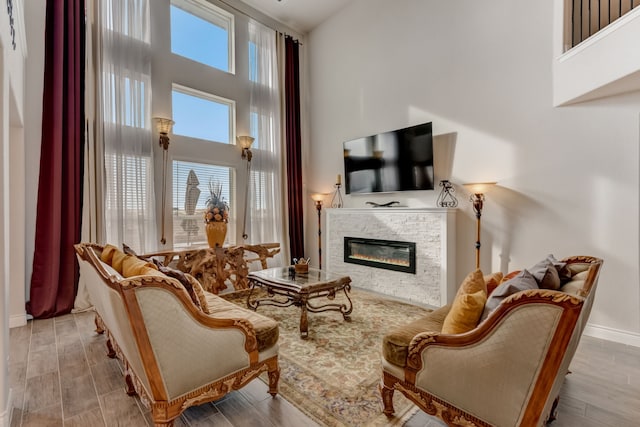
{"x":509,"y":369}
{"x":175,"y":355}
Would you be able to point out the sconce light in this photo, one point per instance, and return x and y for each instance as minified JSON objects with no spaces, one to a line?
{"x":245,"y":143}
{"x":317,"y":198}
{"x":164,"y":127}
{"x":478,"y":190}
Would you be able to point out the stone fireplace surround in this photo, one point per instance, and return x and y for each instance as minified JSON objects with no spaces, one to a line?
{"x":433,"y":231}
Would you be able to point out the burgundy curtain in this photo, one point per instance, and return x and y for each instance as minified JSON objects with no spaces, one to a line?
{"x":294,"y":157}
{"x":58,"y":222}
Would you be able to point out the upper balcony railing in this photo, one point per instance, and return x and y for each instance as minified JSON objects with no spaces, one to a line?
{"x":590,"y":16}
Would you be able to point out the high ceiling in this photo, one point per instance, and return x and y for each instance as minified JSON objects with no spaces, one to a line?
{"x":300,"y":15}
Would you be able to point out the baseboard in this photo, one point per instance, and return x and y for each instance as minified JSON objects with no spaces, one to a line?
{"x":5,"y":416}
{"x":611,"y":334}
{"x":17,"y":320}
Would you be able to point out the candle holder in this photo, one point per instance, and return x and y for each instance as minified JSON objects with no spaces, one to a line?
{"x":336,"y":200}
{"x":446,"y":199}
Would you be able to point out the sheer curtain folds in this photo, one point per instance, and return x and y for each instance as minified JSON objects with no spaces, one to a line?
{"x":265,"y":202}
{"x":124,"y":122}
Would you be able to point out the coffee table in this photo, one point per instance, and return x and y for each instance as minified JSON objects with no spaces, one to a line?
{"x":285,"y":289}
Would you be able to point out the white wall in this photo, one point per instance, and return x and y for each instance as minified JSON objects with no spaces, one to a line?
{"x":35,"y":11}
{"x":568,"y":177}
{"x":12,"y":71}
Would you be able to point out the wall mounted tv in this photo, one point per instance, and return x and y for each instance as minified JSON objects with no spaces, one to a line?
{"x":400,"y":160}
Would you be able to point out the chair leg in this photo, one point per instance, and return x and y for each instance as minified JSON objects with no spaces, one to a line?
{"x":99,"y":325}
{"x":554,"y":410}
{"x":386,"y":393}
{"x":111,"y":353}
{"x":131,"y":390}
{"x":274,"y":377}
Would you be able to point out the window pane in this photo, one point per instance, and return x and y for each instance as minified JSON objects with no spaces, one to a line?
{"x":200,"y":117}
{"x":190,"y":193}
{"x":201,"y":34}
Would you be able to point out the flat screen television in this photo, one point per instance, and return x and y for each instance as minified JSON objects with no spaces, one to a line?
{"x":400,"y":160}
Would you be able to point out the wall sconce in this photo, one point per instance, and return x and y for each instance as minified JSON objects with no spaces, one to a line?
{"x":164,"y":127}
{"x":245,"y":143}
{"x":317,"y":198}
{"x":478,"y":190}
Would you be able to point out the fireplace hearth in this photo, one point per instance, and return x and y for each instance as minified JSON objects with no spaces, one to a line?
{"x":386,"y":254}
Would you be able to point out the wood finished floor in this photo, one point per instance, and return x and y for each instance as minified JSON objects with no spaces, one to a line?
{"x":60,"y":376}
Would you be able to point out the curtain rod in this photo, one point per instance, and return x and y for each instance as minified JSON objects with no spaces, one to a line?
{"x":294,"y":37}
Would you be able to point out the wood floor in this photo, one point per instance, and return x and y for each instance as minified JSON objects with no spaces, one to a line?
{"x":60,"y":376}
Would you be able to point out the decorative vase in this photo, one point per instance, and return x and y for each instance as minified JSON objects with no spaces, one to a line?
{"x":216,"y":232}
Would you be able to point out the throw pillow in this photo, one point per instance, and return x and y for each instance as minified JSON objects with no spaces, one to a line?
{"x":467,"y":306}
{"x":117,"y":260}
{"x":473,"y":283}
{"x":134,"y":266}
{"x":152,"y":271}
{"x":465,"y":313}
{"x":107,"y":254}
{"x":510,"y":275}
{"x":492,"y":281}
{"x":186,"y":282}
{"x":546,"y":273}
{"x":523,"y":281}
{"x":199,"y":291}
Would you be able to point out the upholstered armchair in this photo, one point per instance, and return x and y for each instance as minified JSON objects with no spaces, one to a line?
{"x":508,"y":370}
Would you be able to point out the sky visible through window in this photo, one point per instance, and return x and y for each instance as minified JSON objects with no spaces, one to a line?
{"x":203,"y":41}
{"x":200,"y":118}
{"x":199,"y":40}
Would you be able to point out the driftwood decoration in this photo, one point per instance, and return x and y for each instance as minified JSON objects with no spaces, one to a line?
{"x":214,"y":268}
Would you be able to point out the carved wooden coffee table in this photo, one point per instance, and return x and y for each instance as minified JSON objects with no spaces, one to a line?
{"x":285,"y":289}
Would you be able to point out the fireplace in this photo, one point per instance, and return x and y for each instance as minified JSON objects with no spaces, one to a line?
{"x":387,"y":254}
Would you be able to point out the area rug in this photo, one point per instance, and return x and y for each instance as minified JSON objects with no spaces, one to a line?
{"x":332,"y":376}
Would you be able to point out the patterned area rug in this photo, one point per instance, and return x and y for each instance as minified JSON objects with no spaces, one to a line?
{"x":333,"y":375}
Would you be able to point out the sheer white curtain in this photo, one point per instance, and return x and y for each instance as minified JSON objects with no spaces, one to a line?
{"x":123,"y":85}
{"x":265,"y":202}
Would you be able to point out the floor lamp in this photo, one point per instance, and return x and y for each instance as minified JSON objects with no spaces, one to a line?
{"x":478,"y":190}
{"x":317,"y":198}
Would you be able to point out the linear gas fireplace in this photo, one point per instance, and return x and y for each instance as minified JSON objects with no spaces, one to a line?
{"x":386,"y":254}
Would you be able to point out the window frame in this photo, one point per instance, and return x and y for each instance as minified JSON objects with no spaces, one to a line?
{"x":213,"y":98}
{"x":217,"y":16}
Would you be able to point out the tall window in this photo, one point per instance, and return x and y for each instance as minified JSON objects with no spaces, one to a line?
{"x":191,"y":183}
{"x":203,"y":33}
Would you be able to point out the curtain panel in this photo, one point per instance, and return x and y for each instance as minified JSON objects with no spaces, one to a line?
{"x":293,"y":148}
{"x":265,"y":210}
{"x":124,"y":127}
{"x":58,"y":222}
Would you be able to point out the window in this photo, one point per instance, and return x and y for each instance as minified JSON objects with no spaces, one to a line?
{"x":202,"y":115}
{"x":203,"y":33}
{"x":190,"y":193}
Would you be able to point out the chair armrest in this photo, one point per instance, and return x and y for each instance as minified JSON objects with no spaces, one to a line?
{"x":523,"y":340}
